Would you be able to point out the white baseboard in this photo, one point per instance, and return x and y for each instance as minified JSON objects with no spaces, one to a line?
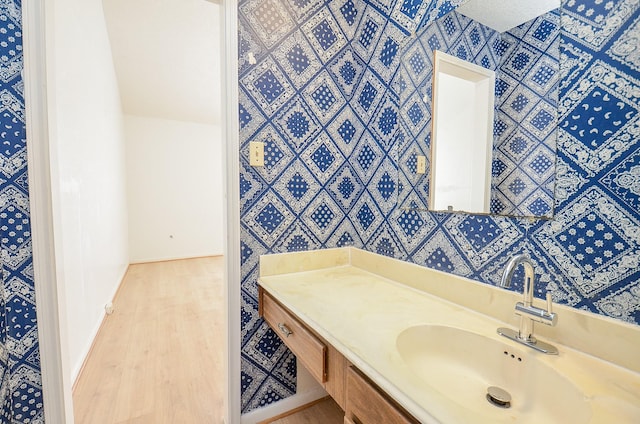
{"x":79,"y":366}
{"x":173,"y":258}
{"x":283,"y":406}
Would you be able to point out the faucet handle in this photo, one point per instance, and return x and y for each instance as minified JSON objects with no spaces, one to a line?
{"x":538,"y":314}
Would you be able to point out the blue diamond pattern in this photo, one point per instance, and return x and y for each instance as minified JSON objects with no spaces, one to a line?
{"x":366,"y":157}
{"x":298,"y":124}
{"x":270,"y":218}
{"x":410,"y":221}
{"x":386,"y":186}
{"x":269,"y":17}
{"x":367,"y":96}
{"x":342,"y":104}
{"x":415,"y":113}
{"x":269,"y":86}
{"x":346,"y":187}
{"x":297,"y":186}
{"x":324,"y":35}
{"x":410,"y":7}
{"x":439,"y":260}
{"x":388,"y":120}
{"x":518,"y":145}
{"x":517,"y":186}
{"x":542,"y":120}
{"x":417,"y":63}
{"x":345,"y":240}
{"x":347,"y":131}
{"x":348,"y":72}
{"x":365,"y":216}
{"x":389,"y":52}
{"x":297,"y":244}
{"x":544,"y":30}
{"x":367,"y":34}
{"x":543,"y":75}
{"x":538,"y":207}
{"x":323,"y":216}
{"x":349,"y":12}
{"x":272,"y":155}
{"x":322,"y":157}
{"x":541,"y":164}
{"x":298,"y":59}
{"x":479,"y":231}
{"x":323,"y":97}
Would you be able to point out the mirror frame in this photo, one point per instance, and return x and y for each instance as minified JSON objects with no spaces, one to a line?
{"x":415,"y":195}
{"x":449,"y":139}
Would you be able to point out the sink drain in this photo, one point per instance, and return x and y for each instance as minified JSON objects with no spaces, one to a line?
{"x":498,"y":397}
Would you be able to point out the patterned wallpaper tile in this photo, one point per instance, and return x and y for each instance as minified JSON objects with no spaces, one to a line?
{"x":20,"y":378}
{"x":337,"y":91}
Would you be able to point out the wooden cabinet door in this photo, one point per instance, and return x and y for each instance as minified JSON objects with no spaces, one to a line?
{"x":308,"y":348}
{"x":367,"y":405}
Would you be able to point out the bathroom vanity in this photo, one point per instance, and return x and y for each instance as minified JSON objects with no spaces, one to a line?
{"x":365,"y":401}
{"x":394,"y":342}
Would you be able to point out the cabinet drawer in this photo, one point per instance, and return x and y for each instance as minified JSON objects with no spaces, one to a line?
{"x":309,"y":350}
{"x":367,"y":405}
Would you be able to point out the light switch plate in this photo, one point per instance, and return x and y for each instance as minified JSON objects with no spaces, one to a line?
{"x":422,"y":164}
{"x":256,"y":153}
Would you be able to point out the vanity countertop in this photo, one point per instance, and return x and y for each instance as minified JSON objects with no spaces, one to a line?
{"x":346,"y":296}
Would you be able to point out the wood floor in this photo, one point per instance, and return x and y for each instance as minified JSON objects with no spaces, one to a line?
{"x":158,"y":358}
{"x":325,"y":411}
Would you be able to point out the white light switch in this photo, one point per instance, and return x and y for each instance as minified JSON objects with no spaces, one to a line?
{"x":422,"y":164}
{"x":256,"y":153}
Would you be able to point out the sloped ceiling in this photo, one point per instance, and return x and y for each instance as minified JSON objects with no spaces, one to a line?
{"x":167,"y":57}
{"x":502,"y":15}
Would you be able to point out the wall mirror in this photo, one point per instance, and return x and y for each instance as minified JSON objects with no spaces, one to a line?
{"x":478,"y":98}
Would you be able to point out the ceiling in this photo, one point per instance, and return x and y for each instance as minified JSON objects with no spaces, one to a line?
{"x":167,"y":57}
{"x":502,"y":15}
{"x":167,"y":53}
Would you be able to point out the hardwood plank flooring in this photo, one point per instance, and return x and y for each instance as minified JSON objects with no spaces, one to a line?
{"x":158,"y":358}
{"x":323,"y":412}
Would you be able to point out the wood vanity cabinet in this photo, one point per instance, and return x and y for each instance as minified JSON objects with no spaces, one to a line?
{"x":308,"y":348}
{"x":367,"y":404}
{"x":321,"y":359}
{"x":362,"y":401}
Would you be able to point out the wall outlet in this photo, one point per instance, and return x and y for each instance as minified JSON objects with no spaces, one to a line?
{"x":422,"y":164}
{"x":108,"y":308}
{"x":256,"y":153}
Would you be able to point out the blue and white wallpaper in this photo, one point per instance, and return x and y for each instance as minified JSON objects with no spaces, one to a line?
{"x":526,"y":121}
{"x":526,"y":62}
{"x":20,"y":384}
{"x":319,"y":84}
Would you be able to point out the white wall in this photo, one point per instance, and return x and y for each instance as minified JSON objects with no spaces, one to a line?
{"x":175,"y":189}
{"x":87,"y":166}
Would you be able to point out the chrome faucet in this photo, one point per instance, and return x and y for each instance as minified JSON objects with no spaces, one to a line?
{"x":528,"y":313}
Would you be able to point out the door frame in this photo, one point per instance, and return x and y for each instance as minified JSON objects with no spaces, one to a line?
{"x":50,"y":299}
{"x":231,"y":150}
{"x":52,"y":338}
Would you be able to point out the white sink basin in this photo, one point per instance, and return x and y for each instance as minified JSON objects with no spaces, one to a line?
{"x":462,"y":365}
